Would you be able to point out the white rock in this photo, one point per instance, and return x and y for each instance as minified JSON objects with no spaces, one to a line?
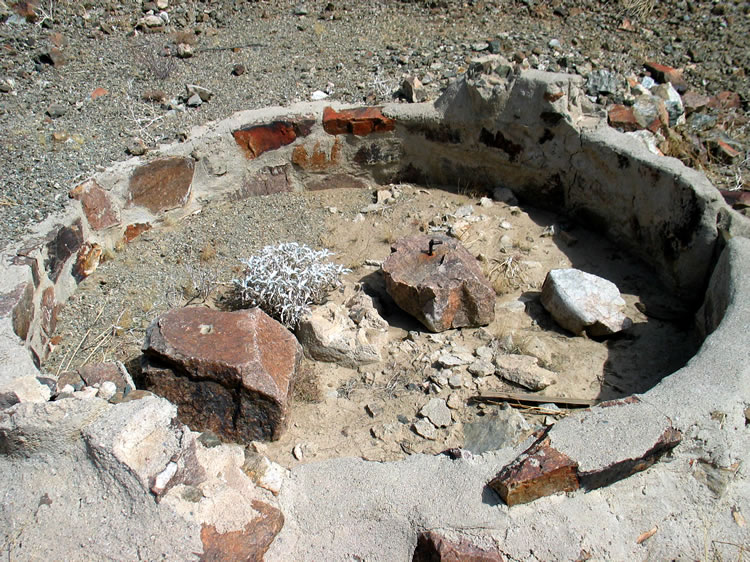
{"x":163,"y":478}
{"x":486,"y":202}
{"x":350,"y":336}
{"x":456,"y":359}
{"x":581,"y":301}
{"x":482,"y":367}
{"x":107,"y":390}
{"x":437,"y":412}
{"x":524,"y":370}
{"x":204,"y":93}
{"x":424,"y":428}
{"x":297,"y":452}
{"x":86,"y":393}
{"x":318,"y":95}
{"x":24,"y":389}
{"x":152,"y":21}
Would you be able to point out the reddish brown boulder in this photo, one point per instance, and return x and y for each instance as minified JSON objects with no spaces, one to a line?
{"x":49,"y":309}
{"x":97,"y":205}
{"x":97,"y":373}
{"x":431,"y":547}
{"x":360,"y":121}
{"x":228,"y":372}
{"x":663,"y":74}
{"x":87,"y":261}
{"x":540,"y":471}
{"x":436,"y":280}
{"x":258,"y":139}
{"x":725,"y":100}
{"x":271,"y":179}
{"x":161,"y":185}
{"x":249,"y":544}
{"x":692,"y":101}
{"x":19,"y":305}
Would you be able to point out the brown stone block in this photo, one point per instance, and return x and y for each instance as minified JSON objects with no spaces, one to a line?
{"x":49,"y":309}
{"x":360,"y":121}
{"x":64,"y":244}
{"x":228,"y":372}
{"x":249,"y":544}
{"x":540,"y":471}
{"x":19,"y":303}
{"x":317,"y":158}
{"x":663,"y":73}
{"x":97,"y":373}
{"x":97,"y":205}
{"x":258,"y":139}
{"x":162,"y":184}
{"x":431,"y":547}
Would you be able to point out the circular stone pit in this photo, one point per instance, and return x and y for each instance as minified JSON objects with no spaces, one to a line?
{"x":532,"y":133}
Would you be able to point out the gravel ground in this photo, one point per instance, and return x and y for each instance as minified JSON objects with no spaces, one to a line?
{"x":357,"y":51}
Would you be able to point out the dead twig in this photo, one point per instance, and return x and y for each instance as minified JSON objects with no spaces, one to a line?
{"x":83,"y":339}
{"x":528,"y":398}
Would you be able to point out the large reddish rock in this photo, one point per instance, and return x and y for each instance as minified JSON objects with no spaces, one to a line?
{"x":258,"y":139}
{"x":248,"y":544}
{"x":360,"y":121}
{"x":228,"y":372}
{"x":161,"y":185}
{"x":436,"y":280}
{"x":622,"y":117}
{"x":432,"y":547}
{"x":97,"y":205}
{"x":87,"y":261}
{"x":540,"y":471}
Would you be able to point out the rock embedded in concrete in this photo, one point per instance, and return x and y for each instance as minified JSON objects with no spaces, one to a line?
{"x":443,"y":288}
{"x":524,"y":370}
{"x":97,"y":205}
{"x":228,"y":372}
{"x":250,"y":543}
{"x":424,"y":428}
{"x":540,"y":471}
{"x":580,"y":301}
{"x":257,"y":139}
{"x":360,"y":121}
{"x":432,"y":547}
{"x":161,"y":185}
{"x":67,"y":241}
{"x":503,"y":428}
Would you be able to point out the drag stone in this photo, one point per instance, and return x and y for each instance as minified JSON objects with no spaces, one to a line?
{"x":250,"y":543}
{"x":161,"y":185}
{"x":360,"y":121}
{"x":524,"y":370}
{"x":580,"y":301}
{"x":97,"y":205}
{"x":437,"y":412}
{"x":443,"y":288}
{"x":432,"y":547}
{"x":540,"y":471}
{"x":228,"y":372}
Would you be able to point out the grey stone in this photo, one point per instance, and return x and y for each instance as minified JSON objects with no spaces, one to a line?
{"x":602,"y":82}
{"x":203,"y":93}
{"x":424,"y":428}
{"x":481,"y":368}
{"x":437,"y":412}
{"x":503,"y":428}
{"x":581,"y":301}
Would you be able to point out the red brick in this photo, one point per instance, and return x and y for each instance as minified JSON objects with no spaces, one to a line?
{"x":663,"y":74}
{"x":258,"y":139}
{"x":249,"y":544}
{"x":360,"y":121}
{"x":540,"y":471}
{"x":98,"y":92}
{"x":622,"y":117}
{"x":133,"y":231}
{"x":722,"y":150}
{"x":431,"y":547}
{"x":97,"y":205}
{"x":162,"y":184}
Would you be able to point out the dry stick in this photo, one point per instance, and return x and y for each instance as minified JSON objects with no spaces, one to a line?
{"x":80,"y":343}
{"x":522,"y":397}
{"x":101,"y":338}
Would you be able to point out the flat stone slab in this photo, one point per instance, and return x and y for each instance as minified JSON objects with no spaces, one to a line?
{"x":228,"y":372}
{"x":437,"y":280}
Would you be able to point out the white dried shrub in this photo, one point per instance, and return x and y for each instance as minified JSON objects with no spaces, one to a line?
{"x":284,"y":279}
